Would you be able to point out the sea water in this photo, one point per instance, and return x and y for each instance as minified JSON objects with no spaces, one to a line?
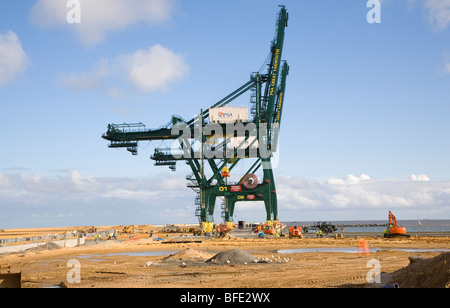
{"x":150,"y":253}
{"x":360,"y":226}
{"x":355,"y":250}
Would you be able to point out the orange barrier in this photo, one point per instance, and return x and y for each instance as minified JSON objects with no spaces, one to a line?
{"x":363,"y":247}
{"x":133,"y":238}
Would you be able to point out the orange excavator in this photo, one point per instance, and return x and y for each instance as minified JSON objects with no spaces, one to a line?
{"x":275,"y":229}
{"x":223,"y":229}
{"x":295,"y":231}
{"x":394,"y":231}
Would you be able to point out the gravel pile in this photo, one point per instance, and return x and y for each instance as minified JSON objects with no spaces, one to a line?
{"x":233,"y":256}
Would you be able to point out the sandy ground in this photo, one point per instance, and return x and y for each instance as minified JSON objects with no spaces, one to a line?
{"x":103,"y":265}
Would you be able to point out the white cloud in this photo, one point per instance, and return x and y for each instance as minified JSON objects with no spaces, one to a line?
{"x":87,"y":80}
{"x":438,"y":13}
{"x":151,"y":69}
{"x":73,"y":183}
{"x":447,"y":68}
{"x":362,"y":193}
{"x":349,"y":179}
{"x":154,"y":68}
{"x":100,"y":17}
{"x":4,"y":181}
{"x":13,"y":59}
{"x":165,"y":198}
{"x":82,"y":183}
{"x":139,"y":195}
{"x":419,"y":177}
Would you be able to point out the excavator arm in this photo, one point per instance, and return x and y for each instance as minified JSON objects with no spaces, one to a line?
{"x":392,"y":220}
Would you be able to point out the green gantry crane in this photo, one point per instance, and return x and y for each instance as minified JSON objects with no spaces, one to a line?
{"x":221,"y":140}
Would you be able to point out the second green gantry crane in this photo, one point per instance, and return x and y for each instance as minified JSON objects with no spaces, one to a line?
{"x":221,"y":137}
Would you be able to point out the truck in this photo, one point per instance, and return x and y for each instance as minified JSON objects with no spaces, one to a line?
{"x":171,"y":229}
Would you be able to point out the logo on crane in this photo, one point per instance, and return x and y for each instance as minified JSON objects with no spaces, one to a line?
{"x":225,"y":115}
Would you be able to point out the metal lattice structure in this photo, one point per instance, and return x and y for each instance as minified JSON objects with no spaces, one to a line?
{"x":222,"y":144}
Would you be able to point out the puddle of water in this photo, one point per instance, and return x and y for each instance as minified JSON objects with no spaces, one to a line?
{"x":131,"y":254}
{"x":355,"y":250}
{"x":418,"y":249}
{"x":340,"y":249}
{"x":284,"y":251}
{"x":94,"y":260}
{"x":145,"y":253}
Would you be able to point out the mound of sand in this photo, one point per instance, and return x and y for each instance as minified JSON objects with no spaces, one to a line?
{"x":46,"y":246}
{"x":190,"y":254}
{"x":234,"y":256}
{"x":425,"y":272}
{"x":226,"y":236}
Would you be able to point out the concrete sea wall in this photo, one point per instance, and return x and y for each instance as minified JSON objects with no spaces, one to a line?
{"x":61,"y":243}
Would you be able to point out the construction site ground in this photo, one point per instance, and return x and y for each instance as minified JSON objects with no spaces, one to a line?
{"x":178,"y":261}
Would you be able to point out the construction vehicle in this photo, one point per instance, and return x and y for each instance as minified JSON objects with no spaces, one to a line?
{"x":272,"y":229}
{"x":127,"y":229}
{"x":325,"y":227}
{"x":295,"y":231}
{"x":223,"y":229}
{"x":394,"y":230}
{"x":171,"y":229}
{"x":197,"y":231}
{"x":255,"y":137}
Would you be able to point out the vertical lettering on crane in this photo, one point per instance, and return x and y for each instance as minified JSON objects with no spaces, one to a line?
{"x":275,"y":72}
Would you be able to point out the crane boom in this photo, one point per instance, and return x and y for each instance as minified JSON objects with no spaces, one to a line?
{"x":274,"y":67}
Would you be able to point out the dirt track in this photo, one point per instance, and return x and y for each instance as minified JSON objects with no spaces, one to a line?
{"x":98,"y":269}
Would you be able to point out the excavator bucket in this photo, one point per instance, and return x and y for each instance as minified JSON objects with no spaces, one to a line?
{"x":10,"y":280}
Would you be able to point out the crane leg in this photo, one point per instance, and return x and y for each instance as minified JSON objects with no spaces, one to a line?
{"x":270,"y":198}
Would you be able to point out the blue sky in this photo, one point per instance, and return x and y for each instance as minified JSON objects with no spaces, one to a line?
{"x":365,"y":124}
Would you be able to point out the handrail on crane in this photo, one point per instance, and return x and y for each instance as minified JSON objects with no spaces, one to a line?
{"x":126,"y":127}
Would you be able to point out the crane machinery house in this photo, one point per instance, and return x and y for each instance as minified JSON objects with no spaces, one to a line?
{"x":228,"y":115}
